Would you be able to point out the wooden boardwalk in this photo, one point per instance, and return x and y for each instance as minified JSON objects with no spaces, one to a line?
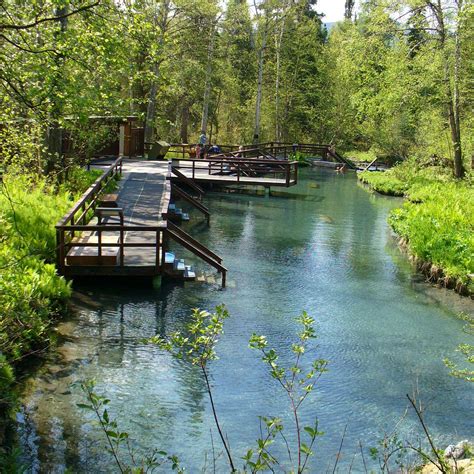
{"x":235,"y":170}
{"x":130,"y":235}
{"x":143,"y":196}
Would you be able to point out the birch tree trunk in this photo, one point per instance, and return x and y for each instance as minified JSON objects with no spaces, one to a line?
{"x":258,"y":104}
{"x":278,"y":42}
{"x":451,"y":83}
{"x":349,"y":7}
{"x":54,"y":138}
{"x":151,"y":108}
{"x":207,"y":88}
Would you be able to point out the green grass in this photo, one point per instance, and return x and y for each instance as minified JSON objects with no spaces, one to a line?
{"x":437,"y":220}
{"x":31,"y":293}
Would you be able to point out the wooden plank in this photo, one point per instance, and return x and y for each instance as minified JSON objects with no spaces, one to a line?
{"x":80,"y":255}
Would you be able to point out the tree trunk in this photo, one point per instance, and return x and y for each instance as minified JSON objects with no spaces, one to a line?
{"x":54,"y":137}
{"x":184,"y":122}
{"x":207,"y":88}
{"x":451,"y":91}
{"x":151,"y":108}
{"x":278,"y":42}
{"x":456,"y":125}
{"x":258,"y":104}
{"x":349,"y":7}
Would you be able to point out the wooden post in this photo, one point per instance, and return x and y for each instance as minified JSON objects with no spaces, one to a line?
{"x":122,"y":249}
{"x":164,"y":241}
{"x":99,"y":252}
{"x":194,"y":167}
{"x":60,"y":249}
{"x":288,"y":171}
{"x":157,"y":249}
{"x":224,"y":274}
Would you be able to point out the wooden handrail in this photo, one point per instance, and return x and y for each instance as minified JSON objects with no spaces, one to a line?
{"x":216,"y":159}
{"x":91,"y":192}
{"x":204,"y":256}
{"x":125,"y":227}
{"x":186,"y":180}
{"x":195,"y":242}
{"x":187,"y":197}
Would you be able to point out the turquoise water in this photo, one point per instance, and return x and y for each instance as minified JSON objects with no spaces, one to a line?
{"x":323,"y":247}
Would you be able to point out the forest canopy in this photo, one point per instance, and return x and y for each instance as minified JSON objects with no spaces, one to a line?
{"x":394,"y":79}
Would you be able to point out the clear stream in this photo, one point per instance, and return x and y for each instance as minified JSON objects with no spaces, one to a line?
{"x":323,"y":246}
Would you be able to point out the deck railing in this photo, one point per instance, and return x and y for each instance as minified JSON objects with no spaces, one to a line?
{"x":267,"y":150}
{"x":82,"y":212}
{"x":111,"y":221}
{"x":187,"y":241}
{"x":239,"y":168}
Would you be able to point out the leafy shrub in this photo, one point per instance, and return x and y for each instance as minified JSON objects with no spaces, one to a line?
{"x":31,"y":293}
{"x":438,"y":222}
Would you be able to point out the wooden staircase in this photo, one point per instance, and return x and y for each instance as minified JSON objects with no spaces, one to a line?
{"x":175,"y":267}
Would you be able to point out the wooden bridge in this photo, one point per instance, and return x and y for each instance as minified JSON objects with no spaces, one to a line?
{"x":275,"y":151}
{"x":128,"y":232}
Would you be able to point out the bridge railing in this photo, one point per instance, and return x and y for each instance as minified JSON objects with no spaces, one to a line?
{"x":240,"y":168}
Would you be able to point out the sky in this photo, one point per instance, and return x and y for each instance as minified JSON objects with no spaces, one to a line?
{"x":333,"y":9}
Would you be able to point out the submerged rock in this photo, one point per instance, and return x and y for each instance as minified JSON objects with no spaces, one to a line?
{"x":459,"y":450}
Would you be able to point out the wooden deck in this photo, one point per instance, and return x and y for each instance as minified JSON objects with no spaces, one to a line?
{"x":235,"y":170}
{"x":143,"y":196}
{"x":131,"y":237}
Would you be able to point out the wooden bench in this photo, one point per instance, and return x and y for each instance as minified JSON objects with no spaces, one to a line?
{"x":96,"y":254}
{"x":108,"y":200}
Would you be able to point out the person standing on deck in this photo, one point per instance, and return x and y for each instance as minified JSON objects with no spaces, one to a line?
{"x":202,"y":144}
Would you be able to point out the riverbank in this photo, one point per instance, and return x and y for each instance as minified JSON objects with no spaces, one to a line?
{"x":435,"y":224}
{"x":32,"y":295}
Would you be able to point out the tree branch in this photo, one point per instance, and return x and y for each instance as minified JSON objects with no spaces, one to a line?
{"x":7,"y":26}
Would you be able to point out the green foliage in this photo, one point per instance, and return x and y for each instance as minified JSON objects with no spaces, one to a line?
{"x":467,"y":351}
{"x":439,"y":228}
{"x":197,"y":344}
{"x":384,"y":183}
{"x":437,"y":220}
{"x":301,"y":158}
{"x":31,"y":293}
{"x":297,"y":384}
{"x":118,"y":441}
{"x":79,"y":179}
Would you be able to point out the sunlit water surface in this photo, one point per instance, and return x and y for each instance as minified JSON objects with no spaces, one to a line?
{"x":324,"y":247}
